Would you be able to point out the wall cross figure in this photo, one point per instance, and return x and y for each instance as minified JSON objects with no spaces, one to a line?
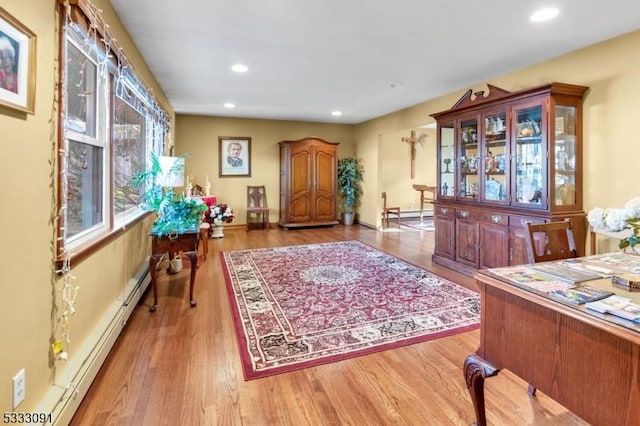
{"x":412,"y":141}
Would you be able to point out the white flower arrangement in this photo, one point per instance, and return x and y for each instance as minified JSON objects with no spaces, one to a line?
{"x":220,"y":213}
{"x":615,"y":220}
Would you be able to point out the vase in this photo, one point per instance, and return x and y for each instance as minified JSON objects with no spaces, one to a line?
{"x":218,"y":231}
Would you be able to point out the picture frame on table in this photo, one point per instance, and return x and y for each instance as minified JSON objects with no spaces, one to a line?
{"x":17,"y":64}
{"x":234,"y":154}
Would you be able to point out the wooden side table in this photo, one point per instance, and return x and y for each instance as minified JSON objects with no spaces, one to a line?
{"x":424,"y":200}
{"x":187,"y":243}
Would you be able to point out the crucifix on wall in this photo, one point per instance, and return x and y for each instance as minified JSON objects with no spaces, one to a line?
{"x":412,"y":141}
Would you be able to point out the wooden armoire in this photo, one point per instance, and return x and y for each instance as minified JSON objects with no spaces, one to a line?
{"x":308,"y":183}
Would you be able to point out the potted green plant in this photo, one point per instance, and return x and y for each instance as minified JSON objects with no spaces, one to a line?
{"x":175,"y":213}
{"x":350,"y":173}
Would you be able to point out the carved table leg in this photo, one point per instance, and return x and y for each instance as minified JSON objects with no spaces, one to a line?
{"x":475,"y":371}
{"x":193,"y":256}
{"x":152,"y":271}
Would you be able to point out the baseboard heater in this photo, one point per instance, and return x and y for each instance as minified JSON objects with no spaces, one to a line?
{"x":73,"y":381}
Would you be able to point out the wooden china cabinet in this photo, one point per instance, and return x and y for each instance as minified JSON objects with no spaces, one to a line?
{"x":505,"y":158}
{"x":308,"y":183}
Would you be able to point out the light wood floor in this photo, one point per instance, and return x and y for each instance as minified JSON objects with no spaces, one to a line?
{"x":180,"y":366}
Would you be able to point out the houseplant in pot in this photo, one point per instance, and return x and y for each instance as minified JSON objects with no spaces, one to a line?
{"x":350,"y":172}
{"x":175,"y":212}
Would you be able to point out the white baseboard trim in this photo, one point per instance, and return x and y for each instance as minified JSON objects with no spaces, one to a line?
{"x":74,"y":378}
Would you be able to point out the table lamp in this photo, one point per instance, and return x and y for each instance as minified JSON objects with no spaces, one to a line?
{"x":172,"y":171}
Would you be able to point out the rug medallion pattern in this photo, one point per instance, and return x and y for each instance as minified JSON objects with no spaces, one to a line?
{"x":299,"y":306}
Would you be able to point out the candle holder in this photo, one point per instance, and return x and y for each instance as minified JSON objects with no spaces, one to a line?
{"x":447,"y":161}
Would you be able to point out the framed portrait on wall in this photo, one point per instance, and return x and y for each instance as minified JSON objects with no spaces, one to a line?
{"x":235,"y":156}
{"x":17,"y":64}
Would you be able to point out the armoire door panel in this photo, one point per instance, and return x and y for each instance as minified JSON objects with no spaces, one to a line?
{"x":300,"y":209}
{"x":300,"y":173}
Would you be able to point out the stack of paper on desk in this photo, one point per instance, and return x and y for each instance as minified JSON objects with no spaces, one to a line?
{"x":617,"y":305}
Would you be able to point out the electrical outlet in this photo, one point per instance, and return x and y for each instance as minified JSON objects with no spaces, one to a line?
{"x":19,"y":382}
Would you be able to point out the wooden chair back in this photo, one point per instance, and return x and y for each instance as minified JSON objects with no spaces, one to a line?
{"x":257,"y":206}
{"x":256,"y":197}
{"x":387,"y":211}
{"x":550,"y":241}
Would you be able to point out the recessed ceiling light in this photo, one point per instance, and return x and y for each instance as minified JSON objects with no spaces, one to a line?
{"x":240,"y":68}
{"x":229,"y":105}
{"x":544,"y":14}
{"x":336,"y":113}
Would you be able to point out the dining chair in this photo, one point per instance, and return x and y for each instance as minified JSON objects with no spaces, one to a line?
{"x":388,"y":211}
{"x":546,"y":242}
{"x":550,"y":241}
{"x":257,"y":206}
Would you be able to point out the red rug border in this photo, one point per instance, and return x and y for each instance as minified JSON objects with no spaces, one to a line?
{"x":241,"y":339}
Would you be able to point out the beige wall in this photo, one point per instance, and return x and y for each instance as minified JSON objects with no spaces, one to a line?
{"x":197,"y":136}
{"x":610,"y":69}
{"x":611,"y":109}
{"x":28,"y":286}
{"x":395,"y":167}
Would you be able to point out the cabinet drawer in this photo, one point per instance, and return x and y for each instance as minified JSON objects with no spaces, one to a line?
{"x":483,"y":216}
{"x":464,"y":213}
{"x":445,"y":211}
{"x":494,"y":218}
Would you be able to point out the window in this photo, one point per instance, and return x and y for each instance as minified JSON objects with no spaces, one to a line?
{"x":110,"y":123}
{"x":130,"y":152}
{"x":85,"y":145}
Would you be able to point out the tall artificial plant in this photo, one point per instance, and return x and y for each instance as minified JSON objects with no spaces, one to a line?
{"x":350,"y":174}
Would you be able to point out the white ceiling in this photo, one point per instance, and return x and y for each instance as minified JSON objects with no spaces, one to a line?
{"x":365,"y":58}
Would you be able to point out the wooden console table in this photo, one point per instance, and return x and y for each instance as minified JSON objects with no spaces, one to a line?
{"x":583,"y":361}
{"x":187,"y":243}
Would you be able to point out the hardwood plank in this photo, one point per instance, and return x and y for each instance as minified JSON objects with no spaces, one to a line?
{"x":181,"y":365}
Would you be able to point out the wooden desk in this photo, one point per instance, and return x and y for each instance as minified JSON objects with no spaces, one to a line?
{"x":424,"y":200}
{"x":188,"y":244}
{"x":583,"y":361}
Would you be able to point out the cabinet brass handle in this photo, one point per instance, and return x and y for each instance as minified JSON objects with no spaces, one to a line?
{"x":496,"y":219}
{"x":464,"y":213}
{"x":444,"y":210}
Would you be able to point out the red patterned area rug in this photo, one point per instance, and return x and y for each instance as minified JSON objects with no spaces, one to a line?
{"x":301,"y":306}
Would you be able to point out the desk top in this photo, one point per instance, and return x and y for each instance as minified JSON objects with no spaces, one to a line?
{"x":527,"y":279}
{"x":174,"y":236}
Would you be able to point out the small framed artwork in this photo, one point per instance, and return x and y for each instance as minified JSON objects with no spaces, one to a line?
{"x":17,"y":64}
{"x":235,"y":156}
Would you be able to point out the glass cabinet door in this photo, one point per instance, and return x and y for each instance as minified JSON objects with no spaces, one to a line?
{"x":564,"y":183}
{"x":496,"y":158}
{"x":447,"y":161}
{"x":530,"y":158}
{"x":469,"y":159}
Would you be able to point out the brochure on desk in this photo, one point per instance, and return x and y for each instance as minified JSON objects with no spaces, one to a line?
{"x":564,"y":272}
{"x":607,"y":263}
{"x":526,"y":277}
{"x":580,"y":294}
{"x":617,"y":305}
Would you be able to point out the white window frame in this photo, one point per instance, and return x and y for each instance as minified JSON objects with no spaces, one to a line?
{"x":101,"y":140}
{"x":157,"y":129}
